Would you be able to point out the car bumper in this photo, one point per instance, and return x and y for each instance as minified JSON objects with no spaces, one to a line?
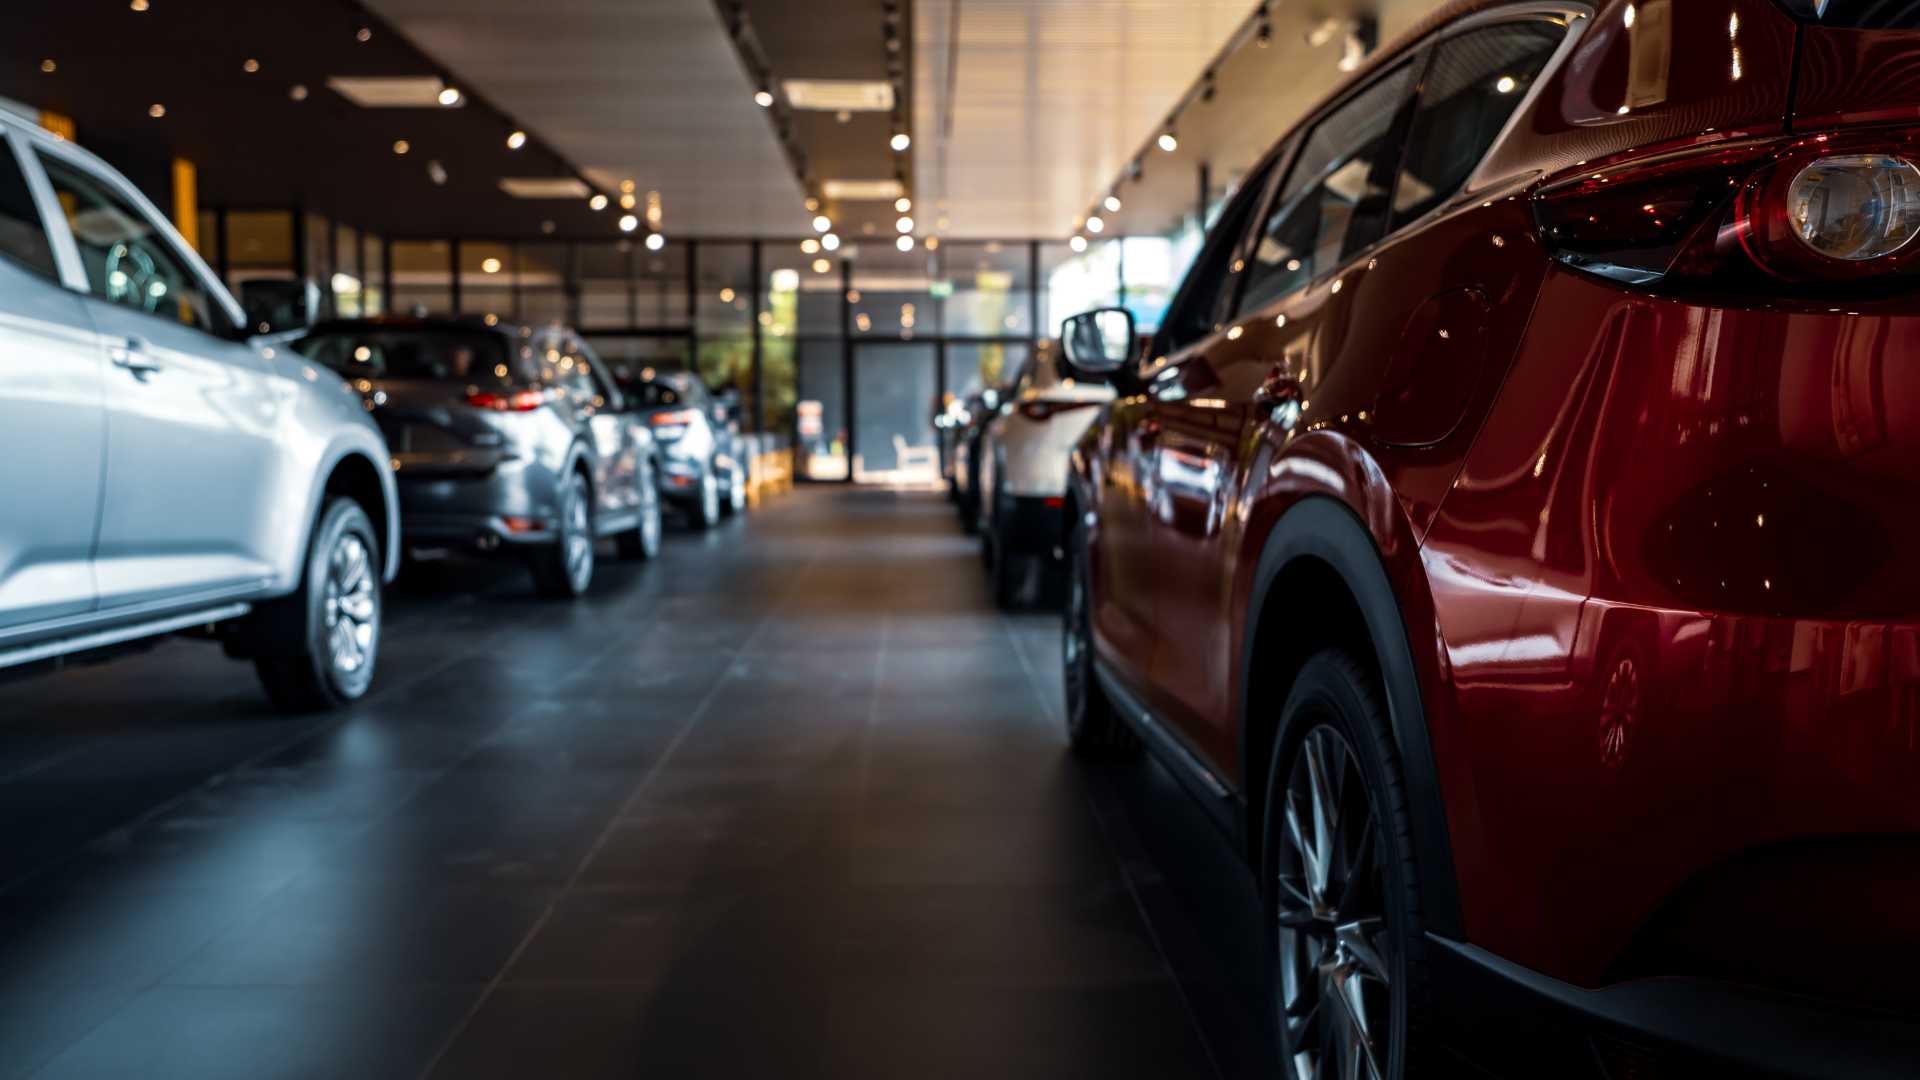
{"x":1519,"y":1023}
{"x":508,"y":506}
{"x":1033,"y":525}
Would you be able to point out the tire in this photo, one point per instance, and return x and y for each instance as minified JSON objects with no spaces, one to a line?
{"x":316,"y":648}
{"x":642,"y":542}
{"x":706,"y":513}
{"x":1094,"y":727}
{"x":564,"y":569}
{"x":1358,"y":921}
{"x":1001,"y":570}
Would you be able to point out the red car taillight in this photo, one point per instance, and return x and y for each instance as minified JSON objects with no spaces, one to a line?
{"x":678,"y":417}
{"x":1045,"y":410}
{"x":1782,"y":216}
{"x":517,"y":401}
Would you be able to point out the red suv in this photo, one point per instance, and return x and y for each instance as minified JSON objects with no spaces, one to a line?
{"x":1502,"y":536}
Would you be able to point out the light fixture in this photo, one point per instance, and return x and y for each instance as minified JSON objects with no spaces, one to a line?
{"x":598,"y":202}
{"x":516,"y":140}
{"x":449,"y":96}
{"x":812,"y":204}
{"x":298,"y":91}
{"x":1112,"y":204}
{"x":656,"y":241}
{"x":853,"y":296}
{"x":548,"y":227}
{"x":250,"y":65}
{"x":1505,"y":84}
{"x":1168,"y":142}
{"x":809,"y":246}
{"x":628,"y":222}
{"x":830,"y":242}
{"x":629,"y":201}
{"x":821,"y":266}
{"x":903,"y":204}
{"x":437,"y":173}
{"x":763,"y":97}
{"x":822,"y":223}
{"x":401,"y":146}
{"x":1078,"y":243}
{"x":627,"y":185}
{"x":156,"y":110}
{"x":49,"y":66}
{"x":905,"y":243}
{"x":489,"y":265}
{"x":364,"y":35}
{"x":138,"y":5}
{"x":933,"y":243}
{"x":905,"y":225}
{"x":1264,"y":37}
{"x":1206,"y":88}
{"x":901,"y":140}
{"x":1096,"y":224}
{"x":726,"y":296}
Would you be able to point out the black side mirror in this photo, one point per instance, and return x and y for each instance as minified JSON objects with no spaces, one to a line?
{"x":1096,"y":344}
{"x":279,"y":307}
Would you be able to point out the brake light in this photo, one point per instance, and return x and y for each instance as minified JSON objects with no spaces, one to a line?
{"x":1791,"y":216}
{"x":517,"y":401}
{"x":680,"y":417}
{"x":1042,"y":411}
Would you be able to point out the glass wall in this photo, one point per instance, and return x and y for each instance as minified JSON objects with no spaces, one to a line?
{"x":723,"y":319}
{"x":984,"y":289}
{"x":486,"y":280}
{"x":259,"y":245}
{"x":422,"y":277}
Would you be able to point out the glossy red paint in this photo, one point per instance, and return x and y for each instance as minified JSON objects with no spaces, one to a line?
{"x":1652,"y":553}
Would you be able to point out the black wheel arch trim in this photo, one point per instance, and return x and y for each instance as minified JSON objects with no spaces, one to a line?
{"x":1322,"y":528}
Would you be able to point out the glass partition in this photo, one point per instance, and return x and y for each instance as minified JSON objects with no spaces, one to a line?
{"x":259,"y":245}
{"x":984,"y":289}
{"x":603,"y":273}
{"x":540,"y":276}
{"x":422,"y":277}
{"x":486,"y":280}
{"x":723,"y":318}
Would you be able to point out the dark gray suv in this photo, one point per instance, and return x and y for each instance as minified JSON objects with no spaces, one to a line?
{"x":703,"y":469}
{"x":504,"y":439}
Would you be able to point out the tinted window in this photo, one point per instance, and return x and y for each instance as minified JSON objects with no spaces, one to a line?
{"x":475,"y":359}
{"x":1200,"y":306}
{"x":652,"y":393}
{"x":23,"y":236}
{"x":127,"y":257}
{"x":1335,"y":199}
{"x":1475,"y":83}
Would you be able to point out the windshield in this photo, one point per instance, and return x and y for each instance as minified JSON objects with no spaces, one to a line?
{"x":475,"y":358}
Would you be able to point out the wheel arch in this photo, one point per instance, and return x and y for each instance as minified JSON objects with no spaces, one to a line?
{"x":1320,"y":556}
{"x":354,"y":475}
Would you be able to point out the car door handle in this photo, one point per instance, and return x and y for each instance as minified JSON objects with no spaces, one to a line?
{"x":132,"y":355}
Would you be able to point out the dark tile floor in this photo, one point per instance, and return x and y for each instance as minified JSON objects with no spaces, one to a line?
{"x":791,"y":802}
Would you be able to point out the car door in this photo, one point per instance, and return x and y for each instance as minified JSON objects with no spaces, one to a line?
{"x":52,"y":419}
{"x":192,"y":415}
{"x":617,"y":449}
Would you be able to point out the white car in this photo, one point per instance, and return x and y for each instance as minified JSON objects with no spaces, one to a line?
{"x":1023,"y":470}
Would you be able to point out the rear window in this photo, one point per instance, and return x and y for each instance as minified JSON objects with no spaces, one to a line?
{"x":1861,"y":14}
{"x":437,"y":355}
{"x":651,"y":393}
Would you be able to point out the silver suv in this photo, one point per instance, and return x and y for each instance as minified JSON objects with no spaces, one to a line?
{"x":161,"y":470}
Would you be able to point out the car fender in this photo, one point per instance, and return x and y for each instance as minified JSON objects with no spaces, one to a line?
{"x":324,"y":423}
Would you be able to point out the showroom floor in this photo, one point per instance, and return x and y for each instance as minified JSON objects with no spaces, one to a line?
{"x":792,"y":802}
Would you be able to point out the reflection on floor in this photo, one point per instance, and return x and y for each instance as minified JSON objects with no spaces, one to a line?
{"x":790,"y":802}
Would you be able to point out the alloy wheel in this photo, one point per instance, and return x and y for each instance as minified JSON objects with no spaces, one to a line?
{"x":576,"y":537}
{"x":1336,"y":950}
{"x":352,"y":606}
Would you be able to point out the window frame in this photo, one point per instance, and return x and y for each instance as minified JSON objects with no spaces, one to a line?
{"x":220,"y":303}
{"x":38,"y":192}
{"x":1222,"y":243}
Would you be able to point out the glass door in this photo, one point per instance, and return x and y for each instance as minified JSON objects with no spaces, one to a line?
{"x":896,"y":391}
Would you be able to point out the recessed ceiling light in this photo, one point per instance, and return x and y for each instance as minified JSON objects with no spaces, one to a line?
{"x":49,"y":66}
{"x":436,"y":172}
{"x":822,"y":223}
{"x":821,"y":266}
{"x":544,"y":187}
{"x":156,"y":110}
{"x":1078,"y":243}
{"x":933,"y":243}
{"x":449,"y":96}
{"x":516,"y":140}
{"x":628,"y":223}
{"x":809,"y":246}
{"x":905,"y":225}
{"x":905,"y":243}
{"x":903,"y":204}
{"x":365,"y":34}
{"x":598,"y":202}
{"x":835,"y":95}
{"x":812,"y":203}
{"x":656,"y":241}
{"x":1112,"y":204}
{"x":298,"y":91}
{"x":401,"y":146}
{"x":628,"y":201}
{"x":250,"y":65}
{"x":1168,"y":142}
{"x":726,"y":296}
{"x":138,"y":5}
{"x":900,"y":141}
{"x":627,"y":185}
{"x":547,"y":227}
{"x":830,"y":242}
{"x":763,"y":98}
{"x":1095,"y":224}
{"x":489,"y":265}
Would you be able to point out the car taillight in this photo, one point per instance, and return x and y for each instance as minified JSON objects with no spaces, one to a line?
{"x":673,"y":424}
{"x":1045,"y":410}
{"x":1788,"y":217}
{"x":517,"y":401}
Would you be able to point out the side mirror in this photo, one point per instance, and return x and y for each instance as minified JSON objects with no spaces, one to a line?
{"x":1097,"y":343}
{"x":279,"y":307}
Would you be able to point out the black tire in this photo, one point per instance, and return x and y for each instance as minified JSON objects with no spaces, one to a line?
{"x":1003,"y":570}
{"x":301,"y":664}
{"x":1336,"y":715}
{"x":563,"y":569}
{"x":642,"y":542}
{"x":1095,"y":728}
{"x":705,"y":514}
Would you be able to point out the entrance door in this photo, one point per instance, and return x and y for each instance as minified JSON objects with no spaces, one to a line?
{"x":895,"y":392}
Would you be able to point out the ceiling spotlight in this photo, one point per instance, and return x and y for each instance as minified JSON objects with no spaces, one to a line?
{"x":656,"y":241}
{"x":628,"y":222}
{"x":156,"y":110}
{"x":1168,"y":142}
{"x":809,"y":246}
{"x":627,"y":185}
{"x":901,"y":140}
{"x":598,"y":202}
{"x":1506,"y":85}
{"x":298,"y":91}
{"x":1206,"y":89}
{"x":138,"y":5}
{"x":49,"y":66}
{"x":1095,"y":224}
{"x":830,"y":242}
{"x":821,"y":266}
{"x":437,"y":172}
{"x":516,"y":140}
{"x":1078,"y":243}
{"x":629,"y":201}
{"x":763,"y":97}
{"x":401,"y":146}
{"x":489,"y":265}
{"x":905,"y":243}
{"x":726,"y":296}
{"x":548,"y":227}
{"x":822,"y":223}
{"x":905,"y":225}
{"x":1112,"y":204}
{"x":449,"y":96}
{"x":812,"y":204}
{"x":364,"y":35}
{"x":903,"y":204}
{"x":250,"y":65}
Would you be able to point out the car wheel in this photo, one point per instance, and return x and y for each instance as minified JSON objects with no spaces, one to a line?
{"x":318,"y":646}
{"x":1346,"y":949}
{"x":1094,"y":726}
{"x":643,"y":540}
{"x":707,"y":514}
{"x":1002,"y":570}
{"x":564,"y":569}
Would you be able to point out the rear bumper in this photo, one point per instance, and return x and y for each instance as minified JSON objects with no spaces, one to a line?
{"x":510,"y":506}
{"x":1520,"y":1023}
{"x":1032,"y":525}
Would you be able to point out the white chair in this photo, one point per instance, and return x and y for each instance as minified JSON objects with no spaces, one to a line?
{"x":909,"y":459}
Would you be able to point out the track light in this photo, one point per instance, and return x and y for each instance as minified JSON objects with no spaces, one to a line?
{"x":1112,"y":204}
{"x":830,"y":242}
{"x":822,"y":223}
{"x":901,"y":140}
{"x":450,"y":96}
{"x":763,"y":97}
{"x":1078,"y":243}
{"x":516,"y":140}
{"x":656,"y":241}
{"x":1168,"y":142}
{"x":905,"y":243}
{"x":1096,"y":224}
{"x":628,"y":223}
{"x":598,"y":202}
